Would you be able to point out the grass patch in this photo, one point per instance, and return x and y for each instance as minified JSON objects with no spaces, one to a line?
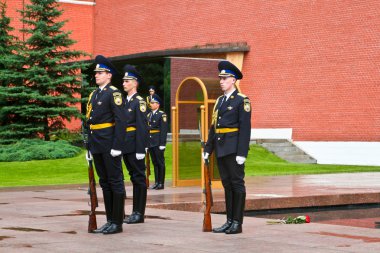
{"x":73,"y":170}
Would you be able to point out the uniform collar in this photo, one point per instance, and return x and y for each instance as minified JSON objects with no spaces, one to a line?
{"x":229,"y":94}
{"x":102,"y":87}
{"x":129,"y":97}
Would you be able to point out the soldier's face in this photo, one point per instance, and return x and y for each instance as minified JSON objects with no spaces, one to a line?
{"x":154,"y":106}
{"x":227,"y":83}
{"x":129,"y":85}
{"x":102,"y":77}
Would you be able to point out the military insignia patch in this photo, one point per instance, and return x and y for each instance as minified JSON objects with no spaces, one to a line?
{"x":247,"y":105}
{"x":142,"y":106}
{"x":164,"y":118}
{"x":117,"y":98}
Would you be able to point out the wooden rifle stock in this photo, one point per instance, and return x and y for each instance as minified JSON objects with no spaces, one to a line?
{"x":207,"y":226}
{"x":93,"y":198}
{"x":147,"y":161}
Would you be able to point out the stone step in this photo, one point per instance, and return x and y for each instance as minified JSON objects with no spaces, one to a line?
{"x":286,"y":150}
{"x":289,"y":153}
{"x":276,"y":149}
{"x":259,"y":141}
{"x":270,"y":145}
{"x":298,"y":158}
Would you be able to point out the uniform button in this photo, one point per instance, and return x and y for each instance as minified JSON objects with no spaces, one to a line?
{"x":218,"y":139}
{"x":218,"y":124}
{"x":90,"y":117}
{"x":91,"y":131}
{"x":220,"y":117}
{"x":150,"y":136}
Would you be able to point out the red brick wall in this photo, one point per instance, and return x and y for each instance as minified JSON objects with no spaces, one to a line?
{"x":313,"y":65}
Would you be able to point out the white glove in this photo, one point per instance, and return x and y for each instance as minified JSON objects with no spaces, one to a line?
{"x":161,"y":147}
{"x":140,"y":156}
{"x":240,"y":160}
{"x":89,"y":156}
{"x":115,"y":153}
{"x":205,"y":155}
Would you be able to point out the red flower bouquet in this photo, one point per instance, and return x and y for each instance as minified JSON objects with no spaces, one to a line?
{"x":291,"y":220}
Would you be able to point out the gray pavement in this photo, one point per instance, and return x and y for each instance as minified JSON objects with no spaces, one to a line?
{"x":54,"y":219}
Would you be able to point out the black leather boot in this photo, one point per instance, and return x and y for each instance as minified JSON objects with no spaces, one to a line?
{"x":160,"y":187}
{"x":134,"y":208}
{"x":108,"y":203}
{"x":154,"y":186}
{"x":228,"y":198}
{"x":238,"y":213}
{"x":138,"y":216}
{"x":117,"y":215}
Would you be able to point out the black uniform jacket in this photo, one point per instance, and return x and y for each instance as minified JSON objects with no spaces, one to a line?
{"x":136,"y":140}
{"x":103,"y":109}
{"x":234,"y":113}
{"x":158,"y":127}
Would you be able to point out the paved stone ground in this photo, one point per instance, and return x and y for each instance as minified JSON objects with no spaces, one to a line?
{"x":53,"y":219}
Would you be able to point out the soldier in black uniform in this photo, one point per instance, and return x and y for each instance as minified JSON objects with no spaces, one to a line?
{"x":152,"y":92}
{"x":158,"y":131}
{"x":136,"y":142}
{"x":229,"y":136}
{"x":106,"y":122}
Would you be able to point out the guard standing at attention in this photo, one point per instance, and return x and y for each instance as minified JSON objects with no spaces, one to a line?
{"x":136,"y":142}
{"x":158,"y":132}
{"x":106,"y":122}
{"x":229,"y":136}
{"x":152,"y":92}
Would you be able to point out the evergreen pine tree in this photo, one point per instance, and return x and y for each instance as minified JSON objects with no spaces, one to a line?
{"x":50,"y":71}
{"x":10,"y":81}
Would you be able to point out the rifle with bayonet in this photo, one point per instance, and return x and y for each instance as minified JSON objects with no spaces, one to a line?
{"x":92,"y":185}
{"x":207,"y":227}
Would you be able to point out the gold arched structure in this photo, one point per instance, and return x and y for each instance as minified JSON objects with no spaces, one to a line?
{"x":194,"y":102}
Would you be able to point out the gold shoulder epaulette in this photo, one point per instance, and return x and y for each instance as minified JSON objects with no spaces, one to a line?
{"x":242,"y":95}
{"x":113,"y":87}
{"x":139,"y":97}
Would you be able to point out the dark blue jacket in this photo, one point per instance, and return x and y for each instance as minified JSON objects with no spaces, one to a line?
{"x":105,"y":107}
{"x":234,"y":113}
{"x":136,"y":112}
{"x":158,"y":121}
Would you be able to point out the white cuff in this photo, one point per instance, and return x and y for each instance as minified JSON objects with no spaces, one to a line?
{"x":240,"y":160}
{"x":140,"y":156}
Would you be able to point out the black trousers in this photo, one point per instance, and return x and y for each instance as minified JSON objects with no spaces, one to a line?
{"x":136,"y":169}
{"x":110,"y":172}
{"x":231,"y":173}
{"x":158,"y":160}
